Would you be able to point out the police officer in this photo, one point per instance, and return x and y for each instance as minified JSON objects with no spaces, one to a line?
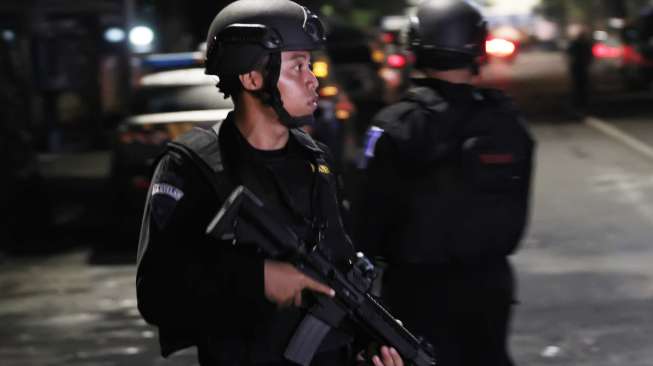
{"x":446,"y":193}
{"x":580,"y":59}
{"x":235,"y":306}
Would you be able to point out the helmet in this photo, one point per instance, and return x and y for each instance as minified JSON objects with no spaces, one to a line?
{"x":246,"y":31}
{"x":447,"y":34}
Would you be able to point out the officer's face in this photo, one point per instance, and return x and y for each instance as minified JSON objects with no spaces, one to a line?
{"x":297,"y":83}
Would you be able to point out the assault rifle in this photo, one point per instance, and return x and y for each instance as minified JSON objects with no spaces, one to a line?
{"x":245,"y":218}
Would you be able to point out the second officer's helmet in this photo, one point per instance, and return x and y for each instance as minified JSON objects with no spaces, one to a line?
{"x":246,"y":31}
{"x":447,"y":34}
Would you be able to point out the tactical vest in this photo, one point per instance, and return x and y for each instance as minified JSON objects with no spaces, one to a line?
{"x":478,"y":157}
{"x":202,"y":148}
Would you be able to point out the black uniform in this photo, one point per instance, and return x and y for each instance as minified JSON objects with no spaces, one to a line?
{"x":203,"y":292}
{"x":446,"y":197}
{"x":580,"y":59}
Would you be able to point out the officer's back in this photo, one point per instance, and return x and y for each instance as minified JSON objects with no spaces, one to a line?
{"x":446,"y":193}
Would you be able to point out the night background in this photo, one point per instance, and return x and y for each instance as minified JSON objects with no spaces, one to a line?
{"x":78,"y":78}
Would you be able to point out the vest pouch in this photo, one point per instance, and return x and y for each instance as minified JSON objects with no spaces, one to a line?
{"x":493,"y":166}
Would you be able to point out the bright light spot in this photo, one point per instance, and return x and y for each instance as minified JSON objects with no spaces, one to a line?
{"x":342,"y":114}
{"x":397,"y":61}
{"x":499,"y":47}
{"x":320,"y":69}
{"x":193,"y":76}
{"x":378,"y":56}
{"x":328,"y":91}
{"x":550,"y":352}
{"x":130,"y":350}
{"x":616,"y":22}
{"x":601,"y":50}
{"x":141,"y":36}
{"x":394,"y":22}
{"x":601,"y":35}
{"x":511,"y":7}
{"x":114,"y":35}
{"x":391,"y":77}
{"x":8,"y":35}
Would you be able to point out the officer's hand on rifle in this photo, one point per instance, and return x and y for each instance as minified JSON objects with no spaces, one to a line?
{"x":284,"y":284}
{"x":386,"y":356}
{"x":389,"y":357}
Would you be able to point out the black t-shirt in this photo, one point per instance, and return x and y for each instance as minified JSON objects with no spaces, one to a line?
{"x":285,"y":177}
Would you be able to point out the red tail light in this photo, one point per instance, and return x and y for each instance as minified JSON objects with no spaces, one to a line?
{"x":602,"y":50}
{"x":387,"y":37}
{"x":631,"y":56}
{"x":397,"y":61}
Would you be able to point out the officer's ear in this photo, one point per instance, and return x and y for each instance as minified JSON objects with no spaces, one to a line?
{"x":251,"y":81}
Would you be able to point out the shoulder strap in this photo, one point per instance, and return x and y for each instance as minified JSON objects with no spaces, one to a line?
{"x":321,"y":181}
{"x":307,"y":142}
{"x":202,"y":147}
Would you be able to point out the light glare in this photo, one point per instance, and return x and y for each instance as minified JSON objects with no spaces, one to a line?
{"x":141,"y":36}
{"x":500,"y":47}
{"x":114,"y":35}
{"x":8,"y":35}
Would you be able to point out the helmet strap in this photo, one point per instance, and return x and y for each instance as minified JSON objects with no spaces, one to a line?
{"x":272,"y":96}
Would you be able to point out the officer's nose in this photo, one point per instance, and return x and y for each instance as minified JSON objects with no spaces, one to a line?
{"x":312,"y":82}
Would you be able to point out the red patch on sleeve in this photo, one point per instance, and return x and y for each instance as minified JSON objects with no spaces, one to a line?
{"x":496,"y":158}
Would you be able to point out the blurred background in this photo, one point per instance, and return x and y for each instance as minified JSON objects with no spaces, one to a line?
{"x":90,"y":91}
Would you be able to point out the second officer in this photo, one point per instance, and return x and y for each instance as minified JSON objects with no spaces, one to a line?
{"x":448,"y":172}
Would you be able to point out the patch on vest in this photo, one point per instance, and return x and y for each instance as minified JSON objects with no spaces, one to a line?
{"x":164,"y":201}
{"x":323,"y":169}
{"x":168,"y":190}
{"x":373,"y":135}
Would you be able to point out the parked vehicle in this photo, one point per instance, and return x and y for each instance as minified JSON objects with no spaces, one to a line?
{"x":623,"y":53}
{"x":164,"y":105}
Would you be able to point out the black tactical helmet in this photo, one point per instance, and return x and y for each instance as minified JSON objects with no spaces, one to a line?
{"x":246,"y":31}
{"x":447,"y":34}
